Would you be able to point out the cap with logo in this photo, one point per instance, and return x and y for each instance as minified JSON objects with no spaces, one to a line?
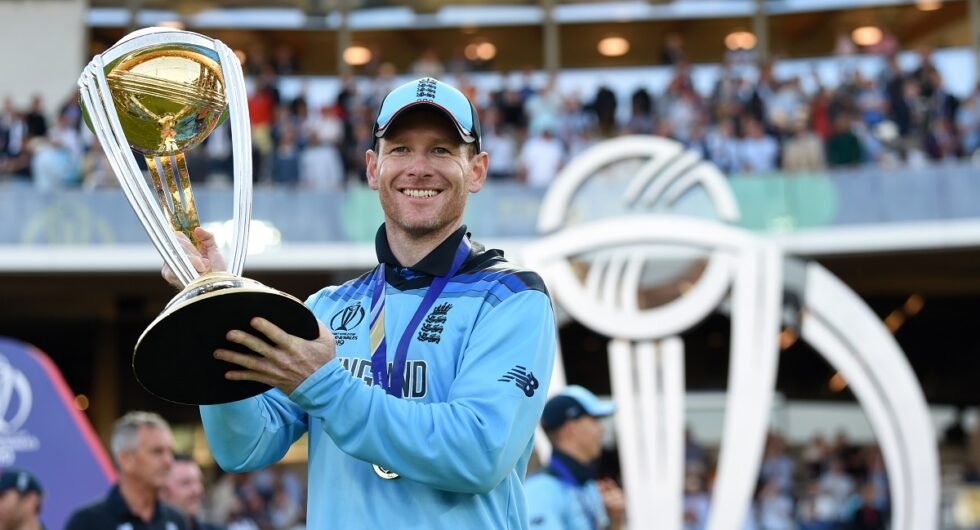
{"x":572,"y":403}
{"x":19,"y":480}
{"x":433,"y":93}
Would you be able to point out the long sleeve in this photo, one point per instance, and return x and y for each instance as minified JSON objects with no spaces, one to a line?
{"x":254,"y":432}
{"x":474,"y":439}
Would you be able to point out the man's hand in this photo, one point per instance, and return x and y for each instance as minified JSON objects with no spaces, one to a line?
{"x":285,"y":363}
{"x":614,"y":501}
{"x":206,"y":259}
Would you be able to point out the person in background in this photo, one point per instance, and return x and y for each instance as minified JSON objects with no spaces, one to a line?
{"x":142,"y":448}
{"x":21,"y":496}
{"x":184,"y":490}
{"x":567,"y":494}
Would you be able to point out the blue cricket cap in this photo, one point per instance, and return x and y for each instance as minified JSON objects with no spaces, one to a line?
{"x":20,"y":480}
{"x":436,"y":94}
{"x":572,"y":403}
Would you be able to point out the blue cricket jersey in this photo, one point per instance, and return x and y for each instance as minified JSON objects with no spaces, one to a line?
{"x":476,"y":381}
{"x":565,"y":503}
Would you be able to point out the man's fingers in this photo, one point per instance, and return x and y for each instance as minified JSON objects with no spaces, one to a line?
{"x":273,"y":332}
{"x":248,"y":375}
{"x":253,"y":343}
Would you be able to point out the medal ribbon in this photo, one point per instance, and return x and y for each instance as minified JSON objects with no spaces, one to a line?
{"x":379,"y":348}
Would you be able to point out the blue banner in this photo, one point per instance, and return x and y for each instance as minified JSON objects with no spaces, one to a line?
{"x":42,"y":431}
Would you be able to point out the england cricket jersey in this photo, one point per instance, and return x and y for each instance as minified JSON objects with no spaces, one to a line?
{"x":458,"y":429}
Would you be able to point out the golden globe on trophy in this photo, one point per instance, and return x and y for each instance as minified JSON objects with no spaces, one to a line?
{"x":160,"y":92}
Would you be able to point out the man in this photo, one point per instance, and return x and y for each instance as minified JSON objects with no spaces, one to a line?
{"x":184,"y":490}
{"x":468,"y":341}
{"x":566,"y":494}
{"x":142,"y":448}
{"x":20,"y":500}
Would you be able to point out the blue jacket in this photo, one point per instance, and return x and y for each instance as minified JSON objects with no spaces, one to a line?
{"x":460,"y":437}
{"x":557,"y":503}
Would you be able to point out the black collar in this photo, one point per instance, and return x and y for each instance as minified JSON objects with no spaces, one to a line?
{"x":581,"y":472}
{"x":436,"y":263}
{"x":117,"y":504}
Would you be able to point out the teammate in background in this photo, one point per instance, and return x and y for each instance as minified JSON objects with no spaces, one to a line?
{"x":422,"y":399}
{"x":142,"y":448}
{"x":184,"y":490}
{"x":567,"y":494}
{"x":20,"y":500}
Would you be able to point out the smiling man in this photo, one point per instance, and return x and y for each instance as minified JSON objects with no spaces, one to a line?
{"x":421,"y":397}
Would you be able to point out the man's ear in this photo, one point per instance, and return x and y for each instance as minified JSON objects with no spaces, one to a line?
{"x":479,"y":165}
{"x":371,"y":165}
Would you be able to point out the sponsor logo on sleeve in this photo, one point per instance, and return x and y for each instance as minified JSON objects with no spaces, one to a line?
{"x":522,"y":378}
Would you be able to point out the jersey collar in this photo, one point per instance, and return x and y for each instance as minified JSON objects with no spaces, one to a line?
{"x":581,"y":472}
{"x":436,"y":263}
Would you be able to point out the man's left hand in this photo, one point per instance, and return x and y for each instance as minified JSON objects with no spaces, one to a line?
{"x":285,"y":363}
{"x":614,"y":500}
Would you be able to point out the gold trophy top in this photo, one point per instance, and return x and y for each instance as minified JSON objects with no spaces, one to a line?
{"x":169,"y":97}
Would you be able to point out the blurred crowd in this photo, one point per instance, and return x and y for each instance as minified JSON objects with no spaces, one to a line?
{"x":824,"y":485}
{"x":747,"y":124}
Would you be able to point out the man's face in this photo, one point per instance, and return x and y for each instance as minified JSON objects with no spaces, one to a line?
{"x":149,"y":463}
{"x":12,"y":510}
{"x":423,"y":174}
{"x":587,"y":432}
{"x":184,"y":488}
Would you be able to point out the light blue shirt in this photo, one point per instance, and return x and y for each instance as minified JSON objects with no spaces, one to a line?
{"x":553,"y":504}
{"x":460,"y":437}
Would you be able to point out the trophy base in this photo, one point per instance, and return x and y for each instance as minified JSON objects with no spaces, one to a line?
{"x":174,"y":358}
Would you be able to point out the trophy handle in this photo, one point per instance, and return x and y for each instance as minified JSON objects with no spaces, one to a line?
{"x":173,"y":185}
{"x":94,"y":90}
{"x":241,"y":145}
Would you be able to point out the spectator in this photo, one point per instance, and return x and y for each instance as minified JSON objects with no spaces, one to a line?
{"x":428,"y":65}
{"x":21,"y":496}
{"x":757,"y":151}
{"x":500,"y":144}
{"x":37,"y":123}
{"x":843,"y":147}
{"x":867,"y":516}
{"x":775,"y":507}
{"x":541,"y":157}
{"x":321,"y":167}
{"x":803,"y":151}
{"x":184,"y":490}
{"x":142,"y":448}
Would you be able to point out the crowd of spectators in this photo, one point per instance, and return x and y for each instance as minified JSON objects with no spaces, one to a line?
{"x":824,"y":485}
{"x":758,"y":125}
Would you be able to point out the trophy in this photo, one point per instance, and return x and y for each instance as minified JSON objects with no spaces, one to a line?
{"x":160,"y":92}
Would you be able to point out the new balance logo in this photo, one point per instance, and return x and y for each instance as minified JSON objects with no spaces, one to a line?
{"x":431,"y":329}
{"x":522,"y":379}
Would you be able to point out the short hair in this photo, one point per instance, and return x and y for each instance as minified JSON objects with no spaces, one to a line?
{"x":126,"y":429}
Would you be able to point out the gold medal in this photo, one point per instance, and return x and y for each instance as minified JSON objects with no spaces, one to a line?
{"x":385,"y":473}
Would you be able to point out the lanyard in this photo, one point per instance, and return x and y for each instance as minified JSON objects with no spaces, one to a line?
{"x":566,"y":476}
{"x":379,"y":349}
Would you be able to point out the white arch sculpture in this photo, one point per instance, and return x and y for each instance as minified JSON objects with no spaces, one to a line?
{"x":647,"y":358}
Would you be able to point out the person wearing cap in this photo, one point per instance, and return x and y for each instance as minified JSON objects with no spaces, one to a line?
{"x":567,"y":494}
{"x":142,"y":448}
{"x":184,"y":490}
{"x":20,"y":500}
{"x":422,"y":392}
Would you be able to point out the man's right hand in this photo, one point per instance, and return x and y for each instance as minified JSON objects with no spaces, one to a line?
{"x":206,"y":259}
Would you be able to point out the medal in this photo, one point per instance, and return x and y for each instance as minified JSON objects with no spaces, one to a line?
{"x":379,"y":348}
{"x":384,"y":473}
